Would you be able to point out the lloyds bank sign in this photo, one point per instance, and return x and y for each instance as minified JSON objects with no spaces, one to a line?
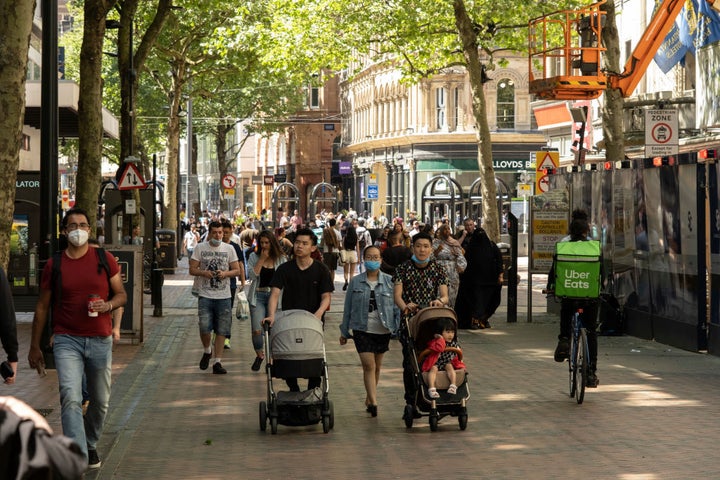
{"x":511,"y":165}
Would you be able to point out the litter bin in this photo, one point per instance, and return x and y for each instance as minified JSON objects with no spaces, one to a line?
{"x":167,"y":252}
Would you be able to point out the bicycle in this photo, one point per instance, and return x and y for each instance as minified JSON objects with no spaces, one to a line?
{"x":578,"y":366}
{"x":578,"y":359}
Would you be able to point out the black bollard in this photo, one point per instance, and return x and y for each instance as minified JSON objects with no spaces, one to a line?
{"x":512,"y":272}
{"x":157,"y":278}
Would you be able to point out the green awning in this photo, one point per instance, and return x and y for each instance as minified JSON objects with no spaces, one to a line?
{"x":447,"y":165}
{"x":470,"y":165}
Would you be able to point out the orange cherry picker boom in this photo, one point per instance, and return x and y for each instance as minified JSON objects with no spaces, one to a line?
{"x":566,"y":48}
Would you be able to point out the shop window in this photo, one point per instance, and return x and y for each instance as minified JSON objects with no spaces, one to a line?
{"x":505,"y":103}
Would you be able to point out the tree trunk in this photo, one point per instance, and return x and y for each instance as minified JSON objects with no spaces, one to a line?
{"x":220,"y":143}
{"x":468,"y":37}
{"x":612,"y":110}
{"x":172,"y":150}
{"x":90,"y":125}
{"x":15,"y":25}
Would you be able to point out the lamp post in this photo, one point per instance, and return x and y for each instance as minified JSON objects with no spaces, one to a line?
{"x":48,"y":149}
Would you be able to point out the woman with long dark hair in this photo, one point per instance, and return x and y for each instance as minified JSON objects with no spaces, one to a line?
{"x":261,"y":268}
{"x":349,"y":255}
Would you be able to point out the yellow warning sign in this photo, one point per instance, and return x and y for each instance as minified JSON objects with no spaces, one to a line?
{"x":545,"y":161}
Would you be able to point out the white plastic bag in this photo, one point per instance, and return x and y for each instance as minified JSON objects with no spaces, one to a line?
{"x":242,"y":308}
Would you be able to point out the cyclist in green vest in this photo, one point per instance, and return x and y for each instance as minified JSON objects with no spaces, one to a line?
{"x":579,"y":229}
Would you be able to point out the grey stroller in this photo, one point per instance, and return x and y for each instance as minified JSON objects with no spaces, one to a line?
{"x":294,"y":348}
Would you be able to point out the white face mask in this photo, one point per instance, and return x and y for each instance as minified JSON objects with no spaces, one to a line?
{"x":78,"y":237}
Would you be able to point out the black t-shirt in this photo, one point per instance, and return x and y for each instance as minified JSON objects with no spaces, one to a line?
{"x":302,"y":289}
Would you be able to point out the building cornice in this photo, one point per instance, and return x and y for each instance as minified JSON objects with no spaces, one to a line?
{"x":430,"y":138}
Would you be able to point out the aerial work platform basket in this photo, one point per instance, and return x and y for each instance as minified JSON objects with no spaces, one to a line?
{"x":566,"y":49}
{"x":565,"y":54}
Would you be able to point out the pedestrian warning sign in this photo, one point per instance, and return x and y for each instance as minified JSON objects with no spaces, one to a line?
{"x":131,"y":178}
{"x":546,"y":161}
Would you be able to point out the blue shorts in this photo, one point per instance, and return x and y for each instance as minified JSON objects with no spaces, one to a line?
{"x":215,"y":315}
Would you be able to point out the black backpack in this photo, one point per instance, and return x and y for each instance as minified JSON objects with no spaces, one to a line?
{"x":56,"y":277}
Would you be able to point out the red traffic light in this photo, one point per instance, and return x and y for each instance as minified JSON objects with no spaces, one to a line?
{"x":607,"y":165}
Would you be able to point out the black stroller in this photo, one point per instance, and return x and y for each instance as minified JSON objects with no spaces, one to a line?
{"x":294,"y":348}
{"x":420,"y":330}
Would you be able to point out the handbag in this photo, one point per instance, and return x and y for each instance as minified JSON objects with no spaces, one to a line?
{"x":242,"y":310}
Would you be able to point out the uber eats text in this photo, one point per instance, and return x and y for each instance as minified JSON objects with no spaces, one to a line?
{"x":575,"y":279}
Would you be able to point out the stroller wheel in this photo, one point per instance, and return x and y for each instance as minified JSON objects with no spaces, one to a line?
{"x":462,"y":421}
{"x":326,"y":423}
{"x":331,"y":415}
{"x":263,"y":416}
{"x":273,"y":425}
{"x":408,"y":416}
{"x":433,"y":422}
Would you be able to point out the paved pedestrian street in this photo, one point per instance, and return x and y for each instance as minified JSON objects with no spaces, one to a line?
{"x":654,"y":415}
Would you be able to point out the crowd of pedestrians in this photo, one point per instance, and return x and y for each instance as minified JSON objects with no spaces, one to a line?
{"x":391,"y":269}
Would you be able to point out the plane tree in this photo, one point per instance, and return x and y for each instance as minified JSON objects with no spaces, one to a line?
{"x":15,"y":26}
{"x":421,"y":37}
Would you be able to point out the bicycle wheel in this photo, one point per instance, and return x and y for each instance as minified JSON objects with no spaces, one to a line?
{"x":581,"y":366}
{"x":572,"y":365}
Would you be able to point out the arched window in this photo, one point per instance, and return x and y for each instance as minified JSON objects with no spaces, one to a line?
{"x":506,"y":103}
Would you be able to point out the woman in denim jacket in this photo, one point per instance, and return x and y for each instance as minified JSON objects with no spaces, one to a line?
{"x":261,"y":266}
{"x":370,"y":314}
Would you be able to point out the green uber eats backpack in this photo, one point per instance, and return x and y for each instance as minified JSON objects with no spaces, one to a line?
{"x":577,"y":269}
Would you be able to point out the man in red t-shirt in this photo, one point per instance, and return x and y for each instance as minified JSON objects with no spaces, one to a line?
{"x":83,"y":328}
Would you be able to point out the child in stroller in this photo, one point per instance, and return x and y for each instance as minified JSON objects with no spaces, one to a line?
{"x":433,"y":396}
{"x":443,"y":355}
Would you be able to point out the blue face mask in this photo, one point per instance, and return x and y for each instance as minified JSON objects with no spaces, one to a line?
{"x":372,"y":265}
{"x":215,"y":242}
{"x":420,"y":262}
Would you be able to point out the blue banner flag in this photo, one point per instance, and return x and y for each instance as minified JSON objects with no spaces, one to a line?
{"x":708,"y":30}
{"x":696,"y":26}
{"x":671,"y":51}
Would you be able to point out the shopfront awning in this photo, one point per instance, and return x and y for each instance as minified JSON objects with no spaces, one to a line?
{"x":553,"y":116}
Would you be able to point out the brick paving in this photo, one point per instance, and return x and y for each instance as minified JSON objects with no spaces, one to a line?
{"x":653,"y":416}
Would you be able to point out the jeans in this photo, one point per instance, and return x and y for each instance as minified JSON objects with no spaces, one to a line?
{"x":214,"y":315}
{"x":257,"y":313}
{"x":93,"y":356}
